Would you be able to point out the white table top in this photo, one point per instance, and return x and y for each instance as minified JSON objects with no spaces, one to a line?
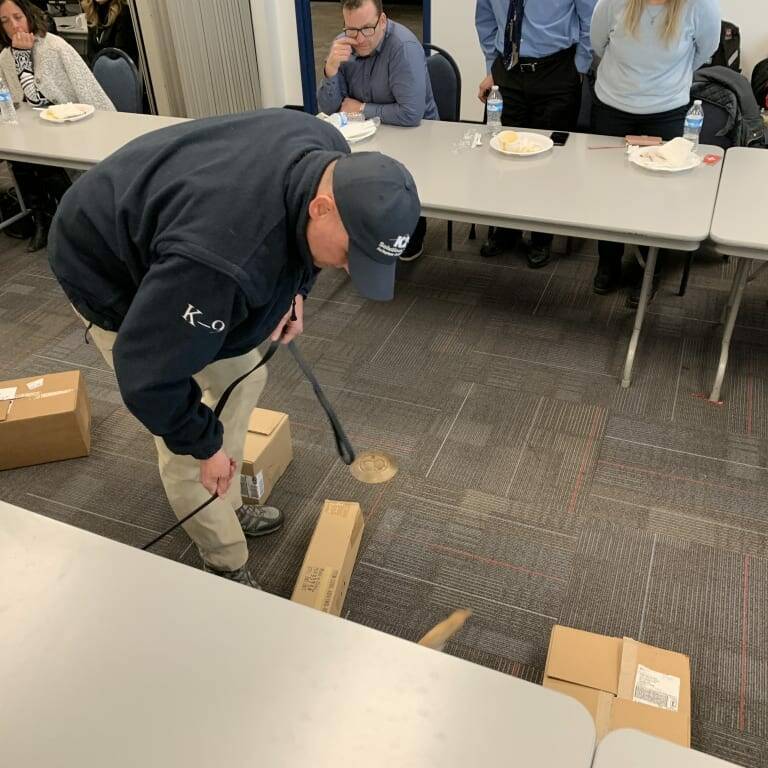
{"x":78,"y":145}
{"x":110,"y":656}
{"x":632,"y":749}
{"x":570,"y":191}
{"x":740,"y":225}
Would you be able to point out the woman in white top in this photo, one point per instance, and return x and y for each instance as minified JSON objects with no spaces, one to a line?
{"x":42,"y":69}
{"x":649,"y":50}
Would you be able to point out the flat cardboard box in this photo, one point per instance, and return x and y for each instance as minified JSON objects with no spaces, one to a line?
{"x":268,"y":452}
{"x":615,"y":677}
{"x":44,"y":418}
{"x":330,"y":558}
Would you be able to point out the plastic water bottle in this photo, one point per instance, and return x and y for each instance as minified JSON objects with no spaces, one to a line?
{"x":7,"y":110}
{"x":694,"y":122}
{"x":339,"y":119}
{"x":494,"y":104}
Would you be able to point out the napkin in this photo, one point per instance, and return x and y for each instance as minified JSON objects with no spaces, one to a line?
{"x":674,"y":154}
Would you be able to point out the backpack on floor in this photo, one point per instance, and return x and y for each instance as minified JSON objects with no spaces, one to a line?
{"x":728,"y":53}
{"x":760,"y":83}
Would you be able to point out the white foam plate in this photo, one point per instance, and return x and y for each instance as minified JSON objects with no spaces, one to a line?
{"x":643,"y":161}
{"x":542,"y":143}
{"x":88,"y":110}
{"x":354,"y":132}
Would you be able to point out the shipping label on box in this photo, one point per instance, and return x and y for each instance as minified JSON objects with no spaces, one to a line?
{"x":327,"y":569}
{"x":44,"y":418}
{"x":266,"y":454}
{"x":623,"y":683}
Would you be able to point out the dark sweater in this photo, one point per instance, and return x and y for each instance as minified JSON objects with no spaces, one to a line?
{"x":118,"y":35}
{"x":191,"y":243}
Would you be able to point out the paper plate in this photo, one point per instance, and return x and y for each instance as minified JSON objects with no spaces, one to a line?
{"x":643,"y":161}
{"x":354,"y":132}
{"x":88,"y":110}
{"x":530,"y":145}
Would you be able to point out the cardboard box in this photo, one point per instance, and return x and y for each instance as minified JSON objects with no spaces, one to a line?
{"x":623,"y":683}
{"x":330,"y":558}
{"x":44,"y":418}
{"x":267,"y":454}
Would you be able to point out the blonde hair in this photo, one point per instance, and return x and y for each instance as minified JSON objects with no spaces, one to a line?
{"x":671,"y":29}
{"x":92,"y":16}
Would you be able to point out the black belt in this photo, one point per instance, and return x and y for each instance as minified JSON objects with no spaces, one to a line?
{"x":528,"y":64}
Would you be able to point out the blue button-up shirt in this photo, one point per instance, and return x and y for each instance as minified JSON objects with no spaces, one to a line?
{"x":392,"y":82}
{"x":549,"y":26}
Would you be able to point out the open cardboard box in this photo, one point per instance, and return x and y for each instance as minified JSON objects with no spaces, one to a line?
{"x":44,"y":418}
{"x":623,"y":683}
{"x":267,"y":453}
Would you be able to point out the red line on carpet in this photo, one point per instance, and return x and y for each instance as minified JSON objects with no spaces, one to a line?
{"x":481,"y":559}
{"x":584,"y":461}
{"x":681,"y":477}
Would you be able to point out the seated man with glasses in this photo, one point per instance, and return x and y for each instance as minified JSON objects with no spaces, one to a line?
{"x":377,"y":67}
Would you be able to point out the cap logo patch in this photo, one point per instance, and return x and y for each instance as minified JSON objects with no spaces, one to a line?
{"x":395,"y":247}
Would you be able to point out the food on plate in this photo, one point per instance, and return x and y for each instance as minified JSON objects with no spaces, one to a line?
{"x":507,"y":140}
{"x":65,"y":111}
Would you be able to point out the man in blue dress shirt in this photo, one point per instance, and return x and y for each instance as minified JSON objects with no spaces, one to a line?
{"x":377,"y":67}
{"x":537,"y":53}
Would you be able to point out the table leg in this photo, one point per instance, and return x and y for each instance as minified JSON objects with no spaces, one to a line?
{"x":22,"y":206}
{"x":645,"y":292}
{"x":731,"y":296}
{"x":737,"y":292}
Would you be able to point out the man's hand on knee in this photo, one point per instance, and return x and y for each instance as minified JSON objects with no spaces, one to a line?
{"x":217,"y":473}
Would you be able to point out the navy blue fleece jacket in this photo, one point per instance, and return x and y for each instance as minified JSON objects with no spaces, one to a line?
{"x":190,"y":242}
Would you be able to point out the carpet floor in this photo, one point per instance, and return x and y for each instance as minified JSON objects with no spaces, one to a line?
{"x":533,"y":488}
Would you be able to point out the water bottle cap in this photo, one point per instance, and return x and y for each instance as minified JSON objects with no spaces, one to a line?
{"x":697,"y":103}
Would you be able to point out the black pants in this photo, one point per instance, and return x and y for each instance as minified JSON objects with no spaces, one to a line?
{"x":543,"y":93}
{"x":42,"y":186}
{"x":608,"y":121}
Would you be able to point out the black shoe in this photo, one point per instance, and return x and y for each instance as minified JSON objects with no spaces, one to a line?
{"x":416,"y":244}
{"x":40,"y":237}
{"x":539,"y":256}
{"x":259,"y":521}
{"x":500,"y":241}
{"x":605,"y":282}
{"x":413,"y":251}
{"x":633,"y":300}
{"x":241,"y":575}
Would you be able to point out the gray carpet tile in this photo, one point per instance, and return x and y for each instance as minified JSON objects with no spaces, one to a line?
{"x":533,"y":488}
{"x":728,"y":744}
{"x":730,"y":497}
{"x":692,"y":593}
{"x":609,"y":585}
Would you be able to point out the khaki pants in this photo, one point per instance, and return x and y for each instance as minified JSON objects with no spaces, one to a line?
{"x":216,"y":530}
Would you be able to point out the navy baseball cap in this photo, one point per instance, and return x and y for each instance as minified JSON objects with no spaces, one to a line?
{"x":379,"y":207}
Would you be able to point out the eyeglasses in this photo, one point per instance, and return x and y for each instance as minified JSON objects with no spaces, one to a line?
{"x":368,"y":31}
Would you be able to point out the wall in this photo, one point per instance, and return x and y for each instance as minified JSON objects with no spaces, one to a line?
{"x":277,"y":51}
{"x":158,"y":57}
{"x":752,"y":17}
{"x":453,"y":28}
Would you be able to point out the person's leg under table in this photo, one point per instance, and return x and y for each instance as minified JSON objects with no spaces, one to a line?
{"x":514,"y":113}
{"x":554,"y":92}
{"x":607,"y":121}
